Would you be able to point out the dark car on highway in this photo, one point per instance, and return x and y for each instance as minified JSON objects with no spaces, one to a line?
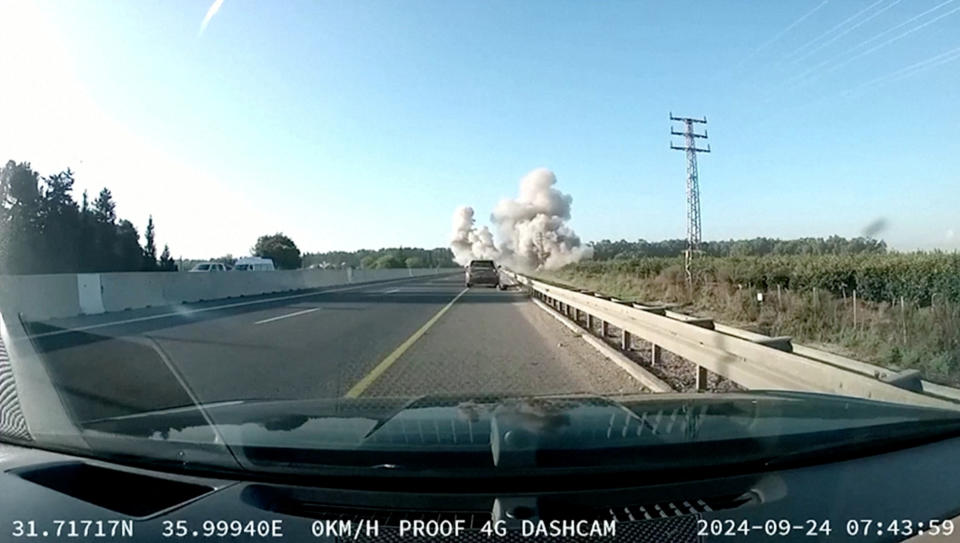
{"x":482,"y":272}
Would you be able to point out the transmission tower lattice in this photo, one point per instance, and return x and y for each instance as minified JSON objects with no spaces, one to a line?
{"x":693,"y":183}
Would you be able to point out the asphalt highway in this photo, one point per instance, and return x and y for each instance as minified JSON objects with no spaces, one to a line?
{"x":413,"y":337}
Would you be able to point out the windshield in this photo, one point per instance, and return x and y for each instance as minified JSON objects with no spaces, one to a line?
{"x":664,"y":234}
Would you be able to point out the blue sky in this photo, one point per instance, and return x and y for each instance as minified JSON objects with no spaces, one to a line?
{"x":351,"y":124}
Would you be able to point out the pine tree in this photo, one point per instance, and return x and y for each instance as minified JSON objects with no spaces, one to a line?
{"x":166,"y":262}
{"x":150,"y":248}
{"x":104,"y":208}
{"x":20,"y":223}
{"x":60,"y":222}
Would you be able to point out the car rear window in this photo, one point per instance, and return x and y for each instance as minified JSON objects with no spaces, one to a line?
{"x":481,"y":264}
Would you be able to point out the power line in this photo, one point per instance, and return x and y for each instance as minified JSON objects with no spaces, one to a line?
{"x":847,"y":31}
{"x":898,"y":37}
{"x":907,"y":71}
{"x":897,"y":75}
{"x":782,"y":33}
{"x":901,"y":25}
{"x":832,"y":30}
{"x":810,"y":73}
{"x":690,"y":137}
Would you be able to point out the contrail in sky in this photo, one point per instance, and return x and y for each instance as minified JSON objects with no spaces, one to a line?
{"x":782,"y":33}
{"x":214,"y":8}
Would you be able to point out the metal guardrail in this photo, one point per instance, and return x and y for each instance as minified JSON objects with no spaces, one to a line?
{"x":751,"y":360}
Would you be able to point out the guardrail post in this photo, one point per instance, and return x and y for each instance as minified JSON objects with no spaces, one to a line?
{"x":604,"y":328}
{"x":701,"y":378}
{"x":625,"y":340}
{"x":590,"y":322}
{"x":655,"y":354}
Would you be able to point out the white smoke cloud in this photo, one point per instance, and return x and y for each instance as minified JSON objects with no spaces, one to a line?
{"x":531,"y":228}
{"x":467,"y":241}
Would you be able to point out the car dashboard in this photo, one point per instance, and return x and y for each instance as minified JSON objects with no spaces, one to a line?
{"x":893,"y":496}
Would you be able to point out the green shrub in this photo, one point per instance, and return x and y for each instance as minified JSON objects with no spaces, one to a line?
{"x":921,"y":278}
{"x":815,"y":304}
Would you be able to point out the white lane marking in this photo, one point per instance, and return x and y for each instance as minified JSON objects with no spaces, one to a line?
{"x":186,"y":311}
{"x":288,"y":315}
{"x":391,"y":291}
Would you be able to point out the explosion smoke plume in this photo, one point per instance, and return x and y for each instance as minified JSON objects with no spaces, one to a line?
{"x":531,"y":228}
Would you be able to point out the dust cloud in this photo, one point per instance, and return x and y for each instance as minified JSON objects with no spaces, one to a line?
{"x":531,"y":229}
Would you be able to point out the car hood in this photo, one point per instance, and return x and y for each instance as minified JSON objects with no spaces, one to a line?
{"x":494,"y":432}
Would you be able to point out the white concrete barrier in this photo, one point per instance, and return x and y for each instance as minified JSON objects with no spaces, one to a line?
{"x":46,"y":296}
{"x":90,"y":293}
{"x":40,"y":297}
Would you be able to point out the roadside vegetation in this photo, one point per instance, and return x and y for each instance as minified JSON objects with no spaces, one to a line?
{"x":43,"y":229}
{"x":394,"y":257}
{"x":899,"y":310}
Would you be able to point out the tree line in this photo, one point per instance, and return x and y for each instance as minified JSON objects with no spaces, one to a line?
{"x":277,"y":247}
{"x":44,"y":230}
{"x":393,"y":257}
{"x":285,"y":255}
{"x":834,"y":245}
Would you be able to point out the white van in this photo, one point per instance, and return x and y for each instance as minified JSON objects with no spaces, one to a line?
{"x":254,"y":263}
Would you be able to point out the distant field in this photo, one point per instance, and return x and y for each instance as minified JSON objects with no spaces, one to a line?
{"x":907,"y":312}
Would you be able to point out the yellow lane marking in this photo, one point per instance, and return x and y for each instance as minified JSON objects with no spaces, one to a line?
{"x":385,"y":364}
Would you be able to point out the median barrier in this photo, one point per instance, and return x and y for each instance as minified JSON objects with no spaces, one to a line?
{"x":42,"y":297}
{"x":46,"y":296}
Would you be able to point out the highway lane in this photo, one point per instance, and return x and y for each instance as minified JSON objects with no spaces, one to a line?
{"x":499,"y":343}
{"x":422,"y":336}
{"x":135,"y":365}
{"x":320,"y":354}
